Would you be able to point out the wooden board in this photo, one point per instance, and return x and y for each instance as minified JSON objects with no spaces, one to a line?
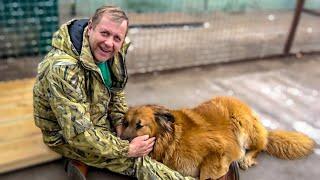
{"x":21,"y":153}
{"x":21,"y":142}
{"x":18,"y":129}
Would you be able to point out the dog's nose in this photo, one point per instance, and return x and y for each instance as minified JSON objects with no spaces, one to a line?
{"x":125,"y":137}
{"x":122,"y":137}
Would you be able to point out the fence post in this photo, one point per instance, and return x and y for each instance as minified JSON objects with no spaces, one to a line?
{"x":205,"y":5}
{"x":294,"y":24}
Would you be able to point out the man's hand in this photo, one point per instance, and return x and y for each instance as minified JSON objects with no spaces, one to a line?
{"x":141,"y":146}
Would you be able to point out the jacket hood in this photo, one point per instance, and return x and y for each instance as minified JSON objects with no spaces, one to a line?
{"x":62,"y":40}
{"x":72,"y":39}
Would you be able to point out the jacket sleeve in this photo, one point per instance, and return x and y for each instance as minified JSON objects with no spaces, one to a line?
{"x":117,"y":107}
{"x":68,"y":101}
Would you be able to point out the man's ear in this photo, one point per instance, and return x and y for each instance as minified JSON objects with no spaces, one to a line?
{"x":90,"y":27}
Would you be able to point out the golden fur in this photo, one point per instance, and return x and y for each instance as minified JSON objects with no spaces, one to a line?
{"x":205,"y":140}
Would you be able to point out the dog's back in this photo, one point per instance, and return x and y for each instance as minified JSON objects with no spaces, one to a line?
{"x":203,"y":131}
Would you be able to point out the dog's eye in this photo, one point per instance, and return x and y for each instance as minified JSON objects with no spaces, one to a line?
{"x":138,"y":125}
{"x":125,"y":123}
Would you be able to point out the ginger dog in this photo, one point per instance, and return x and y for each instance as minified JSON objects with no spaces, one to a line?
{"x":205,"y":140}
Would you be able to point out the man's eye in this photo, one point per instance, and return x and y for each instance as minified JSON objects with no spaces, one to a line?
{"x":138,"y":126}
{"x":117,"y":39}
{"x":105,"y":33}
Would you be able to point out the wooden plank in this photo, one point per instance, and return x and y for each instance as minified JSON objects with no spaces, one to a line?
{"x":24,"y":103}
{"x":24,"y":96}
{"x":24,"y":152}
{"x":17,"y":86}
{"x":16,"y":83}
{"x":21,"y":142}
{"x":16,"y":100}
{"x":18,"y":129}
{"x":16,"y":92}
{"x":15,"y":113}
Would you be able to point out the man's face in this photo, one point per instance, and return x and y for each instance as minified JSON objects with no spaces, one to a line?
{"x":106,"y":38}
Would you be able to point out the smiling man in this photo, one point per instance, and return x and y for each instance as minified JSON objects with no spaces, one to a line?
{"x":106,"y":36}
{"x":79,"y":101}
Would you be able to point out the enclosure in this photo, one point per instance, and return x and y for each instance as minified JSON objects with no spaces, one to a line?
{"x":182,"y":53}
{"x":164,"y":34}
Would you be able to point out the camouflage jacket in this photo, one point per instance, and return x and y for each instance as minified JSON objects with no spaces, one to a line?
{"x":70,"y":99}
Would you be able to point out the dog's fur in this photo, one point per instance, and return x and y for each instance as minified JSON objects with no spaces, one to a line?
{"x":205,"y":140}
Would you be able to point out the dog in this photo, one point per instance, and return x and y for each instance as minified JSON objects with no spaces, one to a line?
{"x":203,"y":141}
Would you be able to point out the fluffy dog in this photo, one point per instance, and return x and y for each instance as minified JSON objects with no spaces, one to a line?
{"x":205,"y":140}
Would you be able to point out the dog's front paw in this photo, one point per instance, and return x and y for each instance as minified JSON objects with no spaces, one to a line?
{"x":242,"y":164}
{"x":245,"y":163}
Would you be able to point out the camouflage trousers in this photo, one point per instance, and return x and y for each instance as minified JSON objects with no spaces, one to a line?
{"x":143,"y":168}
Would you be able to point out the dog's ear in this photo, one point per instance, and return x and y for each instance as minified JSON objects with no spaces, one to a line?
{"x":163,"y":117}
{"x":163,"y":114}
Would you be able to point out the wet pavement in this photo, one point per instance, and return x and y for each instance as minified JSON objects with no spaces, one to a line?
{"x":284,"y":92}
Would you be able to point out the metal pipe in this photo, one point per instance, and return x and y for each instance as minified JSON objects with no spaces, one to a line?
{"x":312,"y":12}
{"x":295,"y":22}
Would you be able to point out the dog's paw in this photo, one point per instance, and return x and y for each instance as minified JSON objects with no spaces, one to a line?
{"x":245,"y":163}
{"x":242,"y":165}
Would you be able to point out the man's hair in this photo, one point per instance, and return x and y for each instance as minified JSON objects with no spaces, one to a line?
{"x":116,"y":14}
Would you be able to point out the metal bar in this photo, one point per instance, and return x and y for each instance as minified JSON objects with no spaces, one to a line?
{"x":295,"y":22}
{"x":311,"y":11}
{"x":205,"y":5}
{"x":168,"y":25}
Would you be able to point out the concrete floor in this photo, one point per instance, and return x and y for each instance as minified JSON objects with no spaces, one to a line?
{"x":285,"y":92}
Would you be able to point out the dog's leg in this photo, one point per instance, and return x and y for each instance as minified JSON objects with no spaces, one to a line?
{"x":257,"y":143}
{"x":214,"y":166}
{"x":248,"y":160}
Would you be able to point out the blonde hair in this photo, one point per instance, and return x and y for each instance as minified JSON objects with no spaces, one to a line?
{"x":116,"y":14}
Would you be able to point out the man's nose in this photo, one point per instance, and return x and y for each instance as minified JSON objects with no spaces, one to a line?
{"x":109,"y":42}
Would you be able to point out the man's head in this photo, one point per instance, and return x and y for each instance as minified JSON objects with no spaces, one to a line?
{"x":107,"y":30}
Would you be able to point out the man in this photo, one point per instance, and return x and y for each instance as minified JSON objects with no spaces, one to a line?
{"x":79,"y":99}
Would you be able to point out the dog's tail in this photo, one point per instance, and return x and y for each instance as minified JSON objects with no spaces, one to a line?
{"x":289,"y":145}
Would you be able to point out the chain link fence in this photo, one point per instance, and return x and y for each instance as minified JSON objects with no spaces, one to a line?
{"x":168,"y":34}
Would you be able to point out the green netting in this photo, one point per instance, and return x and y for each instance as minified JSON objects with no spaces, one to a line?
{"x":168,"y":34}
{"x":145,"y":6}
{"x":223,"y":30}
{"x":26,"y":26}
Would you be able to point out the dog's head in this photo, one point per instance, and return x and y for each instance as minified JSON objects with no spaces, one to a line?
{"x":149,"y":120}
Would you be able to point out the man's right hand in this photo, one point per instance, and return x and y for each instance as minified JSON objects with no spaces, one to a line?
{"x":141,"y":146}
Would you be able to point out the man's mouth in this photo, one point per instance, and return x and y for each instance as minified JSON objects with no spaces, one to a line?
{"x":104,"y":50}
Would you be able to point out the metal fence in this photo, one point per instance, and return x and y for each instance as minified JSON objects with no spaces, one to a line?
{"x":26,"y":26}
{"x":171,"y":34}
